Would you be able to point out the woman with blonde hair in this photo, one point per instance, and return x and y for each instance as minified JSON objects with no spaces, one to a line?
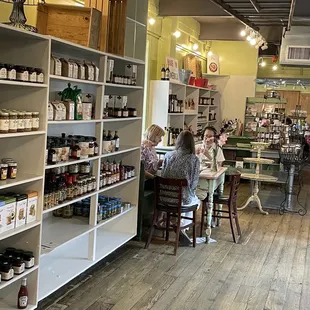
{"x":152,"y":137}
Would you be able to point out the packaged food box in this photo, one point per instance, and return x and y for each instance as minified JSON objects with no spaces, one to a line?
{"x":9,"y":212}
{"x":32,"y":206}
{"x":56,"y":66}
{"x":2,"y":216}
{"x":21,"y":209}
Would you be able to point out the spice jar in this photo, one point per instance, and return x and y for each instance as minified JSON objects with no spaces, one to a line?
{"x":3,"y":72}
{"x":40,"y":75}
{"x":20,"y":122}
{"x":6,"y":270}
{"x":28,"y":259}
{"x":85,"y":168}
{"x":132,"y":112}
{"x":18,"y":265}
{"x":32,"y":75}
{"x":3,"y":172}
{"x":12,"y":170}
{"x":35,"y":121}
{"x":4,"y":122}
{"x":28,"y":121}
{"x":12,"y":122}
{"x":11,"y":71}
{"x":22,"y":74}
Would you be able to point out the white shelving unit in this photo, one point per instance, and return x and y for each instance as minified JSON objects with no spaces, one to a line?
{"x":159,"y":96}
{"x":64,"y":248}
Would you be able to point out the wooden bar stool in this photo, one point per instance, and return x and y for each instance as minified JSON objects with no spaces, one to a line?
{"x":168,"y":199}
{"x":230,"y":201}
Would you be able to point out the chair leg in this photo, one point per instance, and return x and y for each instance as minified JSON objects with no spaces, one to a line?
{"x":237,"y":224}
{"x":152,"y":229}
{"x":194,"y":229}
{"x":231,"y":223}
{"x":177,"y":237}
{"x":167,"y":226}
{"x":203,"y":212}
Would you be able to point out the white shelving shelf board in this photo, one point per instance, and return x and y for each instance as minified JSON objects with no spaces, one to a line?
{"x":21,"y":134}
{"x":105,"y":189}
{"x":71,"y":162}
{"x":75,"y":122}
{"x":127,"y":119}
{"x":19,"y":229}
{"x":123,"y":150}
{"x":66,"y":79}
{"x":111,"y":85}
{"x":21,"y":179}
{"x":23,"y":84}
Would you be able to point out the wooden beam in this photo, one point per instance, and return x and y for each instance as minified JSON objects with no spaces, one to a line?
{"x":255,"y":5}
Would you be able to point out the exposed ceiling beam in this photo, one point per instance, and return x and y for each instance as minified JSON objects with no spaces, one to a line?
{"x":290,"y":18}
{"x":255,"y":5}
{"x":234,"y":13}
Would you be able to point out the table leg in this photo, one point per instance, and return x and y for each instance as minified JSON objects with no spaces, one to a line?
{"x":220,"y":191}
{"x":209,"y":212}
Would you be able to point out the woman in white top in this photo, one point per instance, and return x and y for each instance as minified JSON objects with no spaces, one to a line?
{"x":205,"y":152}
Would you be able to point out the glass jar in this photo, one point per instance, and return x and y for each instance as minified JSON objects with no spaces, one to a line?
{"x":28,"y":121}
{"x":12,"y":122}
{"x":7,"y":272}
{"x":85,"y":168}
{"x":18,"y":265}
{"x":4,"y":122}
{"x":40,"y":75}
{"x":68,"y":212}
{"x":117,"y":112}
{"x":11,"y":72}
{"x":104,"y":179}
{"x":22,"y":74}
{"x":85,"y":186}
{"x":20,"y":122}
{"x":28,"y":259}
{"x":91,"y":149}
{"x":35,"y":121}
{"x":3,"y":72}
{"x":132,"y":112}
{"x":73,"y":169}
{"x":12,"y":170}
{"x":79,"y":188}
{"x":32,"y":75}
{"x":3,"y":172}
{"x":93,"y":179}
{"x":89,"y":185}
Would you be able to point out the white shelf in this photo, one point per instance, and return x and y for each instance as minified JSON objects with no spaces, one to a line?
{"x":74,"y":122}
{"x":67,"y":79}
{"x":4,"y":284}
{"x":124,"y":149}
{"x":21,"y":134}
{"x":127,"y":119}
{"x":21,"y":179}
{"x":111,"y":85}
{"x":205,"y":75}
{"x":18,"y":230}
{"x":71,"y":162}
{"x":23,"y":84}
{"x":107,"y":188}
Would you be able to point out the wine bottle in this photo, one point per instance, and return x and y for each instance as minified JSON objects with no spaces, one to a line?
{"x":167,"y":74}
{"x":163,"y":73}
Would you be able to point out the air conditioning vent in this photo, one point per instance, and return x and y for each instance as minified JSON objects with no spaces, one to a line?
{"x":298,"y":53}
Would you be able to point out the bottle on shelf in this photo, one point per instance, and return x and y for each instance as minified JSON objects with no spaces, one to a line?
{"x":163,"y":73}
{"x":167,"y":74}
{"x":116,"y":139}
{"x":52,"y":157}
{"x":96,"y":147}
{"x":22,"y":300}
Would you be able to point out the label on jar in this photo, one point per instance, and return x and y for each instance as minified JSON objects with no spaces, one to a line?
{"x":84,"y":146}
{"x":117,"y":143}
{"x":23,"y":301}
{"x":28,"y":123}
{"x":96,"y":152}
{"x":91,"y":151}
{"x":40,"y":78}
{"x":20,"y":124}
{"x":125,"y":113}
{"x":35,"y":122}
{"x":33,"y":77}
{"x":7,"y":275}
{"x":13,"y":124}
{"x":89,"y":186}
{"x":13,"y":173}
{"x":85,"y":169}
{"x":23,"y":76}
{"x":19,"y":269}
{"x":106,"y":147}
{"x":3,"y":73}
{"x":12,"y":74}
{"x":4,"y":125}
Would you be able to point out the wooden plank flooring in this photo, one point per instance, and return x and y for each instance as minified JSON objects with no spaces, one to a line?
{"x":268,"y":270}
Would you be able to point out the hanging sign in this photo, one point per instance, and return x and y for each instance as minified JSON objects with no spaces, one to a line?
{"x":173,"y":66}
{"x":213,"y":64}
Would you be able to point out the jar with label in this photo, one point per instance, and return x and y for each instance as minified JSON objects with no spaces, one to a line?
{"x":93,"y":179}
{"x":35,"y":121}
{"x":73,"y":169}
{"x":4,"y":122}
{"x":132,"y":112}
{"x":70,"y":188}
{"x":117,"y":112}
{"x":125,"y":112}
{"x":40,"y":75}
{"x":12,"y":170}
{"x":68,"y":212}
{"x":85,"y":168}
{"x":79,"y":187}
{"x":96,"y":147}
{"x":91,"y":149}
{"x":22,"y":74}
{"x":11,"y":72}
{"x":28,"y":121}
{"x":20,"y":122}
{"x":12,"y":122}
{"x":89,"y":185}
{"x":32,"y":75}
{"x":7,"y":271}
{"x":85,"y":186}
{"x":28,"y":259}
{"x":3,"y":72}
{"x":18,"y":265}
{"x":3,"y":172}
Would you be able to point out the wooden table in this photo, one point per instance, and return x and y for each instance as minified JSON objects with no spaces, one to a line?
{"x":215,"y":181}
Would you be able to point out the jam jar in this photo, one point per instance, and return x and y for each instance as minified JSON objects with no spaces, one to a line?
{"x":32,"y":75}
{"x":22,"y":74}
{"x":28,"y":259}
{"x":20,"y":122}
{"x":7,"y":271}
{"x":12,"y":170}
{"x":12,"y":122}
{"x":28,"y":121}
{"x":3,"y":72}
{"x":11,"y":72}
{"x":132,"y":112}
{"x":40,"y":76}
{"x":18,"y":265}
{"x":4,"y":122}
{"x":85,"y":168}
{"x":3,"y":172}
{"x":35,"y":121}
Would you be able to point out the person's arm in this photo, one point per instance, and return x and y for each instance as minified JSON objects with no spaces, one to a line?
{"x":149,"y":175}
{"x":194,"y":178}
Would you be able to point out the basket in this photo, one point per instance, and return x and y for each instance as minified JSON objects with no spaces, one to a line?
{"x":184,"y":76}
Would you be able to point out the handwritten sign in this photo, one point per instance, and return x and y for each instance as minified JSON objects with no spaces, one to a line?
{"x":173,"y":66}
{"x":213,"y":64}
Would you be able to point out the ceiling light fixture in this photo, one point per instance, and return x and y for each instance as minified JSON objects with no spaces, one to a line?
{"x":253,"y":41}
{"x":210,"y":53}
{"x":195,"y":47}
{"x":151,"y":21}
{"x":177,"y":34}
{"x":275,"y":67}
{"x":263,"y":64}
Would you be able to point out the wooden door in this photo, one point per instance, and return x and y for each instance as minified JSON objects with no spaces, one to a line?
{"x":292,"y":98}
{"x":305,"y":103}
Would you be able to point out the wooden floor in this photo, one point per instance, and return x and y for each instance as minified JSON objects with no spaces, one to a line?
{"x":269,"y":269}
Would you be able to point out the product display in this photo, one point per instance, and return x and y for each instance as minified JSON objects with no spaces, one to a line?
{"x":66,"y":183}
{"x":110,"y":143}
{"x":109,"y":207}
{"x":62,"y":149}
{"x":128,"y":78}
{"x":206,"y":101}
{"x":74,"y":69}
{"x":13,"y":121}
{"x":8,"y":169}
{"x":113,"y":172}
{"x":21,"y":73}
{"x":117,"y":107}
{"x":175,"y":105}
